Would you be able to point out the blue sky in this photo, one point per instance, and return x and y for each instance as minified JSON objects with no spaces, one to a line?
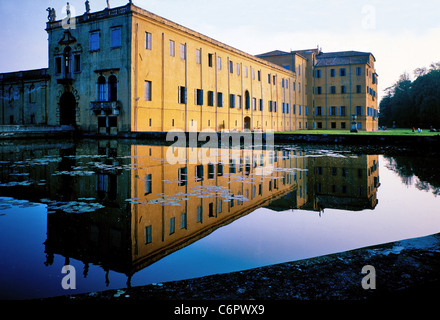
{"x":402,"y":35}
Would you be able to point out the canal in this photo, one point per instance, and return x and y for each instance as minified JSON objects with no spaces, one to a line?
{"x":123,"y":213}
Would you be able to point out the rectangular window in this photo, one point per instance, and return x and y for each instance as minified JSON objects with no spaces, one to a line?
{"x":220,"y":169}
{"x":358,"y":71}
{"x":172,"y":225}
{"x":199,"y":172}
{"x":172,"y":48}
{"x":148,"y":40}
{"x":318,"y":74}
{"x":198,"y":56}
{"x":77,"y":63}
{"x":343,"y":125}
{"x":261,"y":104}
{"x":199,"y":214}
{"x":94,"y":41}
{"x":238,"y":69}
{"x":148,"y":188}
{"x":210,"y":59}
{"x":148,"y":234}
{"x":182,"y":51}
{"x":182,"y":95}
{"x":232,"y":100}
{"x":58,"y":62}
{"x":359,"y":110}
{"x":183,"y":220}
{"x":318,"y":90}
{"x":231,"y":67}
{"x":238,"y":102}
{"x":147,"y":90}
{"x":333,"y":89}
{"x":211,"y":171}
{"x":358,"y":89}
{"x":319,"y":111}
{"x":268,"y":78}
{"x":332,"y":73}
{"x":211,"y":98}
{"x":219,"y":99}
{"x":342,"y":111}
{"x":342,"y":72}
{"x":333,"y":125}
{"x":115,"y":37}
{"x":182,"y":176}
{"x":333,"y":111}
{"x":219,"y":63}
{"x":199,"y":97}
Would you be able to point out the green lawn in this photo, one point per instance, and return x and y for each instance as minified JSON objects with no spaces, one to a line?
{"x":392,"y":132}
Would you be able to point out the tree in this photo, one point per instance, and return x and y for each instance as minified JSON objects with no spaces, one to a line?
{"x":413,"y":103}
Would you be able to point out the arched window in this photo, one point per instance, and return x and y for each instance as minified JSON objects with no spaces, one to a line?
{"x":102,"y":94}
{"x":113,"y":88}
{"x":67,"y":62}
{"x":247,"y":100}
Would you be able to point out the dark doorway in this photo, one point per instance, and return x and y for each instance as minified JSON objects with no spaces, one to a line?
{"x":247,"y":123}
{"x":113,"y":88}
{"x":67,"y":109}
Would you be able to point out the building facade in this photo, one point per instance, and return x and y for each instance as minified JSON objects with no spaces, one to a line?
{"x":126,"y":69}
{"x":339,"y":88}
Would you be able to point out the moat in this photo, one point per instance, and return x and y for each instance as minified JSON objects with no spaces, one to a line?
{"x":122,"y":214}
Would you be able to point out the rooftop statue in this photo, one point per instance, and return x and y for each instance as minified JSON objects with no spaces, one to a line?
{"x":52,"y":16}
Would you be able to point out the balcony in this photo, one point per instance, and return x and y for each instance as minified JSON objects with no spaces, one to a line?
{"x":105,"y":107}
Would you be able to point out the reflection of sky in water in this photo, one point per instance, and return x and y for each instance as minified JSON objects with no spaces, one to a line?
{"x":261,"y":238}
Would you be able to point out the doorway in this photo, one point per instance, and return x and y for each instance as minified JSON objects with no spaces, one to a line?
{"x":247,"y":123}
{"x":67,"y":109}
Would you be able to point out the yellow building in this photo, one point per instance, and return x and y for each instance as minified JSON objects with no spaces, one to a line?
{"x":125,"y":70}
{"x":341,"y":87}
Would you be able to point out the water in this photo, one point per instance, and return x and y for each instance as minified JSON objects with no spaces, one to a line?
{"x":123,"y":214}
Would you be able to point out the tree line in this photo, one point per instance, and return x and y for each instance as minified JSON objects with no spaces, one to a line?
{"x":409,"y":104}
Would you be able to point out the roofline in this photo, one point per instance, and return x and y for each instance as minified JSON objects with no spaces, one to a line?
{"x":203,"y":37}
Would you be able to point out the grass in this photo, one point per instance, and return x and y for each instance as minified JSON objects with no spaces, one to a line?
{"x":388,"y":132}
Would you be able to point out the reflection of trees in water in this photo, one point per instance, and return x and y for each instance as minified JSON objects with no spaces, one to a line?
{"x":422,"y":172}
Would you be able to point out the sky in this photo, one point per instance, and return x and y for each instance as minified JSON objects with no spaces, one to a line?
{"x":402,"y":35}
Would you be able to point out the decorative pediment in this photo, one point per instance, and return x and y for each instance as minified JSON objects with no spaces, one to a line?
{"x":67,"y":38}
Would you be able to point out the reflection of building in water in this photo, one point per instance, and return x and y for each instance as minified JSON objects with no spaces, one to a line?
{"x":209,"y":194}
{"x":345,"y":182}
{"x":154,"y":207}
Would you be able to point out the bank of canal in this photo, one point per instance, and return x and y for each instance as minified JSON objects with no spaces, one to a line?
{"x":404,"y":270}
